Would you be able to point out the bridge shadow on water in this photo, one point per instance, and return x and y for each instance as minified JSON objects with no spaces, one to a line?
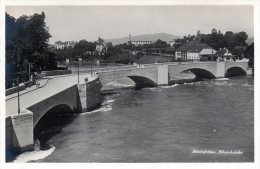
{"x":51,"y":124}
{"x":235,"y":71}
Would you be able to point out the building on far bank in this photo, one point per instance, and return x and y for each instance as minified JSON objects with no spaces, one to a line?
{"x":207,"y":54}
{"x":172,"y":42}
{"x":62,"y":45}
{"x":223,"y":54}
{"x":139,"y":42}
{"x":101,"y":46}
{"x":194,"y":51}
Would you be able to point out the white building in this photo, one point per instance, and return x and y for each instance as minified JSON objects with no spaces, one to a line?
{"x":101,"y":46}
{"x":225,"y":55}
{"x":136,"y":43}
{"x":172,"y":42}
{"x":193,"y":51}
{"x":62,"y":45}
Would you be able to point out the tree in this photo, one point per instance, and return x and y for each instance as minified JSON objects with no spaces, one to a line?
{"x":29,"y":36}
{"x":241,"y":38}
{"x":230,"y":41}
{"x":249,"y":53}
{"x":239,"y":51}
{"x":235,"y":39}
{"x":82,"y":47}
{"x":214,"y":31}
{"x":160,"y":44}
{"x":10,"y":59}
{"x":25,"y":37}
{"x":10,"y":30}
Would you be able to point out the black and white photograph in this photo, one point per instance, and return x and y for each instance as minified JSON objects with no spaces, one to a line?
{"x":130,"y":83}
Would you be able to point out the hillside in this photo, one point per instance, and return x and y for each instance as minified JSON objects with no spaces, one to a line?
{"x":147,"y":37}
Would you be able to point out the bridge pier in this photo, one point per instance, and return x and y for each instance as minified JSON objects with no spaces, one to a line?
{"x":19,"y":134}
{"x":89,"y":95}
{"x":163,"y":78}
{"x":220,"y":70}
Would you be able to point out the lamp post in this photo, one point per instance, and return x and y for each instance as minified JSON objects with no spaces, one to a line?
{"x":86,"y":82}
{"x":78,"y":69}
{"x":68,"y":60}
{"x":18,"y":94}
{"x":29,"y":70}
{"x":91,"y":64}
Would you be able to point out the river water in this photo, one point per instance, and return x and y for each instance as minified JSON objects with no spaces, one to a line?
{"x":204,"y":121}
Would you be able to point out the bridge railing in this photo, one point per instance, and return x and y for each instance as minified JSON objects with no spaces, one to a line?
{"x":132,"y":68}
{"x":100,"y":69}
{"x":140,"y":66}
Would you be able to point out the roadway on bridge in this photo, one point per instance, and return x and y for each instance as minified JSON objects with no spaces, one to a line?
{"x":54,"y":85}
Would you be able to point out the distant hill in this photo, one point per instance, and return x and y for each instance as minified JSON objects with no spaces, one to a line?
{"x":250,"y":40}
{"x":146,"y":37}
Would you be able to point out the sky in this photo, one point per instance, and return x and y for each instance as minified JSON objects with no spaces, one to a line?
{"x":89,"y":22}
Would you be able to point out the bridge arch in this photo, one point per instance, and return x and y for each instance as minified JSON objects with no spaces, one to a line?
{"x":142,"y":77}
{"x":235,"y":71}
{"x":141,"y":81}
{"x":58,"y":110}
{"x":52,"y":122}
{"x":137,"y":81}
{"x":201,"y":73}
{"x":132,"y":80}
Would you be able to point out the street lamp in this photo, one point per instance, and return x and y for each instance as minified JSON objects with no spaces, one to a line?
{"x":67,"y":59}
{"x":91,"y":64}
{"x":18,"y":94}
{"x":29,"y":70}
{"x":86,"y":82}
{"x":78,"y":69}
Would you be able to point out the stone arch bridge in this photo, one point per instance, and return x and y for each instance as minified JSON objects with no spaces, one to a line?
{"x":162,"y":74}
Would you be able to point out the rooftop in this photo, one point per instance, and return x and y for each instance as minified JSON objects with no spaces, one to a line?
{"x":207,"y":52}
